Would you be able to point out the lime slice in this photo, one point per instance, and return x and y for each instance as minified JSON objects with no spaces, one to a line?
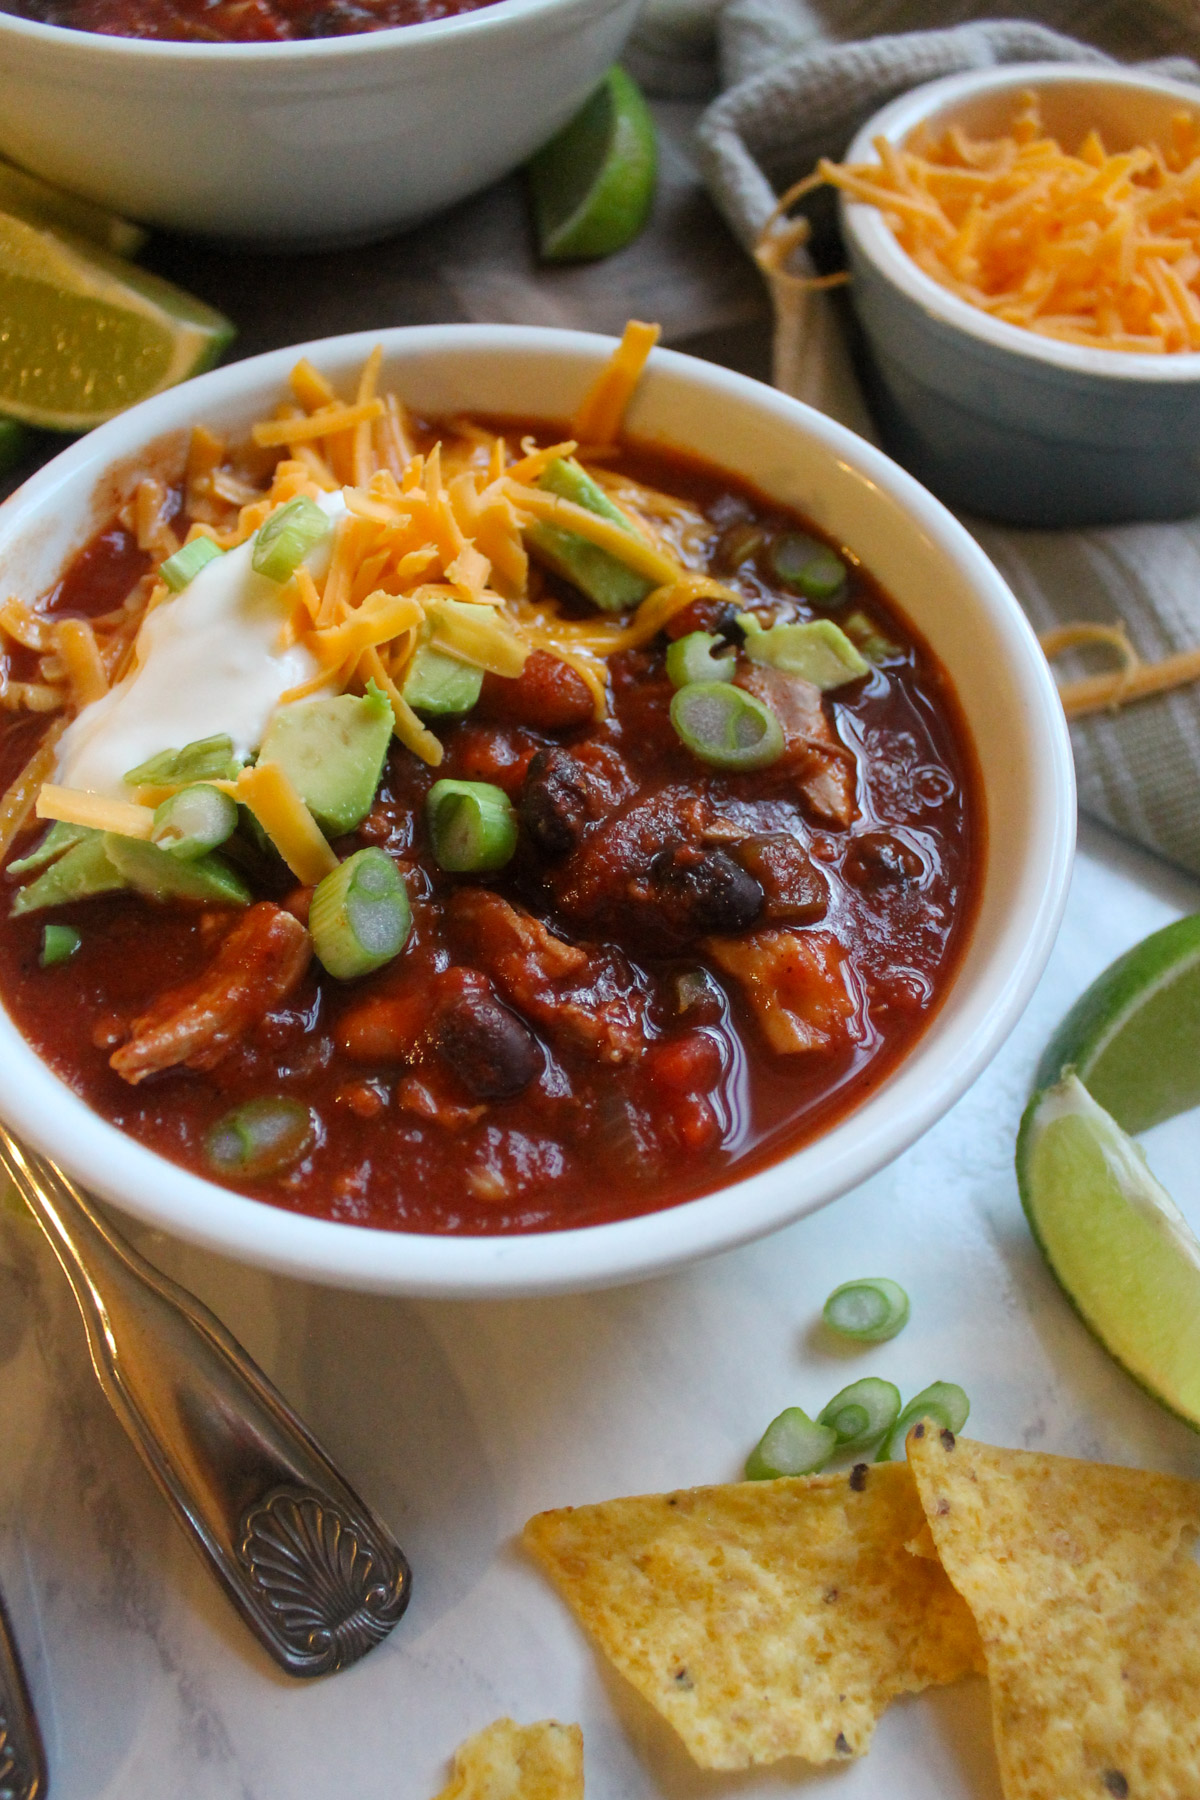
{"x":1134,"y":1036}
{"x":593,"y":184}
{"x":38,"y":203}
{"x":86,"y":335}
{"x":1124,"y":1254}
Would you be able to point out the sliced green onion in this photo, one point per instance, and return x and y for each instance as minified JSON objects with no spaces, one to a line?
{"x":360,"y":917}
{"x":791,"y":1445}
{"x":287,"y":537}
{"x":808,"y":567}
{"x":263,"y":1137}
{"x":194,"y":821}
{"x":726,"y":726}
{"x":691,"y":658}
{"x":472,"y":825}
{"x":204,"y":759}
{"x":943,"y":1401}
{"x":870,"y":1311}
{"x":187,"y":562}
{"x":862,"y":1412}
{"x":59,"y":942}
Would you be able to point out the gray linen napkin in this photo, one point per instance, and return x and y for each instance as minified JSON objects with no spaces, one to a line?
{"x":798,"y":94}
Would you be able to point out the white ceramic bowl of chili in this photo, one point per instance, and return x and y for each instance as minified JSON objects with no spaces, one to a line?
{"x":998,"y":419}
{"x":308,"y":143}
{"x":939,"y":578}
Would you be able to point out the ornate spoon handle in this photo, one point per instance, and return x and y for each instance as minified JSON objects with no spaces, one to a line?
{"x":312,"y":1570}
{"x":22,"y":1761}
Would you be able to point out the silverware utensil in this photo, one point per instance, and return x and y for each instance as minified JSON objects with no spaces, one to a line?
{"x":22,"y":1759}
{"x":315,"y":1574}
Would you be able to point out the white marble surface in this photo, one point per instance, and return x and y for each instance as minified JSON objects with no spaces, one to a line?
{"x":458,"y":1421}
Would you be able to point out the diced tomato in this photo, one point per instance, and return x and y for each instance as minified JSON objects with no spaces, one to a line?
{"x":547,"y":695}
{"x":687,"y":1064}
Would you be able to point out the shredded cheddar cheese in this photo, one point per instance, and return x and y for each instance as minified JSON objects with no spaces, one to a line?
{"x":77,"y":807}
{"x":602,"y":409}
{"x":271,"y":797}
{"x":1134,"y":679}
{"x":19,"y":802}
{"x":1091,"y":247}
{"x":75,"y":642}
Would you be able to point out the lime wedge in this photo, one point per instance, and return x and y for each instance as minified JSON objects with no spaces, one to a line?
{"x":38,"y":203}
{"x":1124,"y":1254}
{"x":86,"y":335}
{"x":593,"y":184}
{"x":1134,"y":1037}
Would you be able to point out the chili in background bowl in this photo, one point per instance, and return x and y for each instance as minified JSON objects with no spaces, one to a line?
{"x":998,"y":419}
{"x":940,"y":581}
{"x":308,"y":143}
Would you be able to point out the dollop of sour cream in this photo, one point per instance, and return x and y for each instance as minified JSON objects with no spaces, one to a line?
{"x":209,"y":662}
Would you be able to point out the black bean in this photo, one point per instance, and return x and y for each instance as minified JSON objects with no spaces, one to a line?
{"x":698,"y":891}
{"x":877,"y":859}
{"x":554,"y":803}
{"x":492,"y":1051}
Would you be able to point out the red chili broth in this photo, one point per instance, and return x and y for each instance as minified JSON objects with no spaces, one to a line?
{"x":389,"y":1168}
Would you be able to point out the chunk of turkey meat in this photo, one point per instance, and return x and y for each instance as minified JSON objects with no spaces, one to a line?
{"x":825,"y":768}
{"x":798,"y":985}
{"x":261,"y":962}
{"x":585,"y":999}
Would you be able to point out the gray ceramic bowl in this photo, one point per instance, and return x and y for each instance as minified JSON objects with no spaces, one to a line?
{"x":994,"y":418}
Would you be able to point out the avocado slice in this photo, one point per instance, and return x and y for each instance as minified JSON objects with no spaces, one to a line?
{"x":160,"y":876}
{"x":333,"y":751}
{"x":439,"y":683}
{"x":54,"y":842}
{"x":83,"y":870}
{"x":819,"y":651}
{"x":609,"y":584}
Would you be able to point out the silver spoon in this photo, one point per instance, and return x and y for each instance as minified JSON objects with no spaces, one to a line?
{"x":313,"y":1571}
{"x":22,"y":1760}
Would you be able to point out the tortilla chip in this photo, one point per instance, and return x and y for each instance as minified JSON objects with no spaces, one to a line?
{"x":1088,"y":1605}
{"x":768,"y":1618}
{"x":506,"y":1761}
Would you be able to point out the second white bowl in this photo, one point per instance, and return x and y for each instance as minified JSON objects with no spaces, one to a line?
{"x":303,"y":144}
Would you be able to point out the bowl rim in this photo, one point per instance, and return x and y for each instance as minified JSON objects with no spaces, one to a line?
{"x":865,"y":226}
{"x":39,"y":1105}
{"x":101,"y":45}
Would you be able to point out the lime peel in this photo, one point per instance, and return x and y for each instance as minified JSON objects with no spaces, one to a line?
{"x":593,"y":183}
{"x":1134,"y":1037}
